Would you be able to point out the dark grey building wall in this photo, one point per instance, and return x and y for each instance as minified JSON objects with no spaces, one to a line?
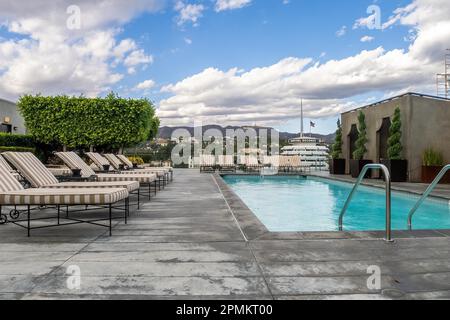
{"x":8,"y":109}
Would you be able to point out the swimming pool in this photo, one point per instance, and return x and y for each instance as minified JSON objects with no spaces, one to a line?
{"x":293,"y":204}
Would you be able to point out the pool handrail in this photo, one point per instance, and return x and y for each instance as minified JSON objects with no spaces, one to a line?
{"x":387,"y":178}
{"x":426,"y":194}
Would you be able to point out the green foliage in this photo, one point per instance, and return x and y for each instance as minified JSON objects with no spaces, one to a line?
{"x":395,"y":147}
{"x":158,"y":153}
{"x":432,"y":158}
{"x":154,"y":127}
{"x":16,"y":149}
{"x":84,"y":122}
{"x":16,"y":140}
{"x":362,"y":138}
{"x":337,"y":146}
{"x":137,"y":160}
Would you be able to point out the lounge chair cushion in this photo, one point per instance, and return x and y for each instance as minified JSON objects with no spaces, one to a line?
{"x":73,"y":161}
{"x":98,"y":160}
{"x":142,"y":178}
{"x":60,"y":171}
{"x":129,"y":185}
{"x":8,"y":182}
{"x":43,"y":196}
{"x":113,"y":160}
{"x":5,"y":164}
{"x":31,"y":168}
{"x":144,"y":172}
{"x":125,"y":160}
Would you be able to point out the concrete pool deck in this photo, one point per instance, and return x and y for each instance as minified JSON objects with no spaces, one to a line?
{"x":188,"y":244}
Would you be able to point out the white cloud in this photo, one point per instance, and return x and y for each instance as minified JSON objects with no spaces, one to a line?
{"x":367,"y":39}
{"x":47,"y":57}
{"x":145,"y":85}
{"x":189,"y":12}
{"x":222,"y":5}
{"x":273,"y":93}
{"x":364,"y":22}
{"x":341,"y":32}
{"x":137,"y":57}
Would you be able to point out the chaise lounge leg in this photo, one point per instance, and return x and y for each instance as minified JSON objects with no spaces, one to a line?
{"x":139,"y":196}
{"x":126,"y":210}
{"x":150,"y":191}
{"x":28,"y":220}
{"x":110,"y":219}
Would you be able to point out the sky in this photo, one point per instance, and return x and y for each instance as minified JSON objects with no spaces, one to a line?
{"x":227,"y":62}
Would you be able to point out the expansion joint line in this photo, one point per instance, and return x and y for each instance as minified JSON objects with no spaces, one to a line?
{"x":229,"y":209}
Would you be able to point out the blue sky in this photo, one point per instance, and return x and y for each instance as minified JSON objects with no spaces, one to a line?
{"x":258,"y":35}
{"x":249,"y":62}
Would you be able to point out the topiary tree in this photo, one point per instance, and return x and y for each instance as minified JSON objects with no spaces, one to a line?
{"x":337,"y":146}
{"x":362,"y":138}
{"x":395,"y":135}
{"x":85,"y":122}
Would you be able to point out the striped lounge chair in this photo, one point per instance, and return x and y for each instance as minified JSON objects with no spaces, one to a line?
{"x":73,"y":161}
{"x":115,"y":162}
{"x":100,"y":162}
{"x":290,"y":163}
{"x":251,"y":163}
{"x":207,"y":163}
{"x":272,"y":161}
{"x":226,"y":163}
{"x":12,"y":193}
{"x":40,"y":177}
{"x":129,"y":165}
{"x":6,"y":166}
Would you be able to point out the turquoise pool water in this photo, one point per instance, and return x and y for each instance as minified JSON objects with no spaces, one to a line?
{"x":291,"y":204}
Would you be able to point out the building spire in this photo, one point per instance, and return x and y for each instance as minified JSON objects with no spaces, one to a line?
{"x":301,"y":116}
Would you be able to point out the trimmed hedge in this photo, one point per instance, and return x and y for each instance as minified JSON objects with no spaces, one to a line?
{"x":17,"y":149}
{"x":16,"y":140}
{"x":83,"y":122}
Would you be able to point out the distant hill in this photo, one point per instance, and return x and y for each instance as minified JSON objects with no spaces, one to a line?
{"x":166,"y":132}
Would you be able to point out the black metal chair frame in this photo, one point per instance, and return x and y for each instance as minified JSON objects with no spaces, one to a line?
{"x":15,"y":215}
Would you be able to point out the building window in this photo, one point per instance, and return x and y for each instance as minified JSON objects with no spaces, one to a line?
{"x":6,"y":128}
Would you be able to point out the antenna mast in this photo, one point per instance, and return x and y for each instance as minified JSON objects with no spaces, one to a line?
{"x":443,"y":79}
{"x":301,"y":108}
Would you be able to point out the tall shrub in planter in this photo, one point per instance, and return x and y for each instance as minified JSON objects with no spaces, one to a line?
{"x":337,"y":164}
{"x":358,"y":162}
{"x":84,"y":122}
{"x":397,"y":166}
{"x":433,"y":163}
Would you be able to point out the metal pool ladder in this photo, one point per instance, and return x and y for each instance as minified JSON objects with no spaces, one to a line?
{"x":387,"y":178}
{"x":430,"y":189}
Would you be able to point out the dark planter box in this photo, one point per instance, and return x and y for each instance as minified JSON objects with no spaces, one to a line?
{"x":356,"y":167}
{"x":121,"y":167}
{"x":337,"y":166}
{"x":430,"y":173}
{"x":106,"y":167}
{"x":397,"y":168}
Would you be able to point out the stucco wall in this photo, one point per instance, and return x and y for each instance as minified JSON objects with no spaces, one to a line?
{"x":425,"y":123}
{"x":9,"y":109}
{"x":430,"y":127}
